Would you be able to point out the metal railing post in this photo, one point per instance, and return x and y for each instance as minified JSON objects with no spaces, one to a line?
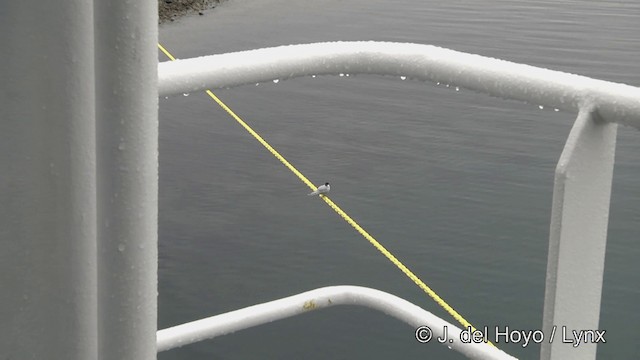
{"x":47,"y":181}
{"x":127,"y":177}
{"x":578,"y":236}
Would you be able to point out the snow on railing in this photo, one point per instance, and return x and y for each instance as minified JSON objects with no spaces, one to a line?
{"x":554,"y":89}
{"x":582,"y":189}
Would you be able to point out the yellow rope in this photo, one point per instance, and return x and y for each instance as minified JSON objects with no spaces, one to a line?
{"x":340,"y":212}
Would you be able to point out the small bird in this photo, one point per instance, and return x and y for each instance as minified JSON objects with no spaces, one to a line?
{"x":322,"y":189}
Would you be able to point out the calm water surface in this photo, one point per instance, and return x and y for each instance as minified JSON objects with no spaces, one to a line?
{"x":456,"y":184}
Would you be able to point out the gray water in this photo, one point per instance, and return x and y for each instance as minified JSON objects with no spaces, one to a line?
{"x":458,"y":185}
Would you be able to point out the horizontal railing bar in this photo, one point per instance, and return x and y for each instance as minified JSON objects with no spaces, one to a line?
{"x":392,"y":305}
{"x":614,"y":102}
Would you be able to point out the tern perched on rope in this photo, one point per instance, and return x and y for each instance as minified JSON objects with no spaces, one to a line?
{"x":322,"y":189}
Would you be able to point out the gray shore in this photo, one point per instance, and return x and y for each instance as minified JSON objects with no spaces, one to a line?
{"x":169,"y":10}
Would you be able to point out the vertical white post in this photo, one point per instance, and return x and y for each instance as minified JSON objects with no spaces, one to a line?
{"x":578,"y":236}
{"x":127,"y":181}
{"x":47,"y":181}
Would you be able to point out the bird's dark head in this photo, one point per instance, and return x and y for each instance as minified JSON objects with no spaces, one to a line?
{"x":326,"y":183}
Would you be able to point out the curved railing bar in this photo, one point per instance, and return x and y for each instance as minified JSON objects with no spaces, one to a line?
{"x":614,"y":102}
{"x":318,"y":299}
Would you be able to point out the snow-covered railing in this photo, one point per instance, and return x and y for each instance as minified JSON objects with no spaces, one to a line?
{"x":584,"y":172}
{"x":428,"y":327}
{"x":553,"y":89}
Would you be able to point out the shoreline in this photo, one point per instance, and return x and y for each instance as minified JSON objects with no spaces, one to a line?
{"x":170,"y":10}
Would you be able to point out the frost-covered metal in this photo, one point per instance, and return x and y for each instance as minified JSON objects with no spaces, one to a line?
{"x":78,"y":179}
{"x":615,"y":102}
{"x":578,"y":238}
{"x":126,"y":37}
{"x":582,"y":189}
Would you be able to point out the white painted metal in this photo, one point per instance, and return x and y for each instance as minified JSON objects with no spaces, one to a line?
{"x":127,"y":177}
{"x":318,"y":299}
{"x":578,"y":237}
{"x":47,"y":181}
{"x":554,"y":89}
